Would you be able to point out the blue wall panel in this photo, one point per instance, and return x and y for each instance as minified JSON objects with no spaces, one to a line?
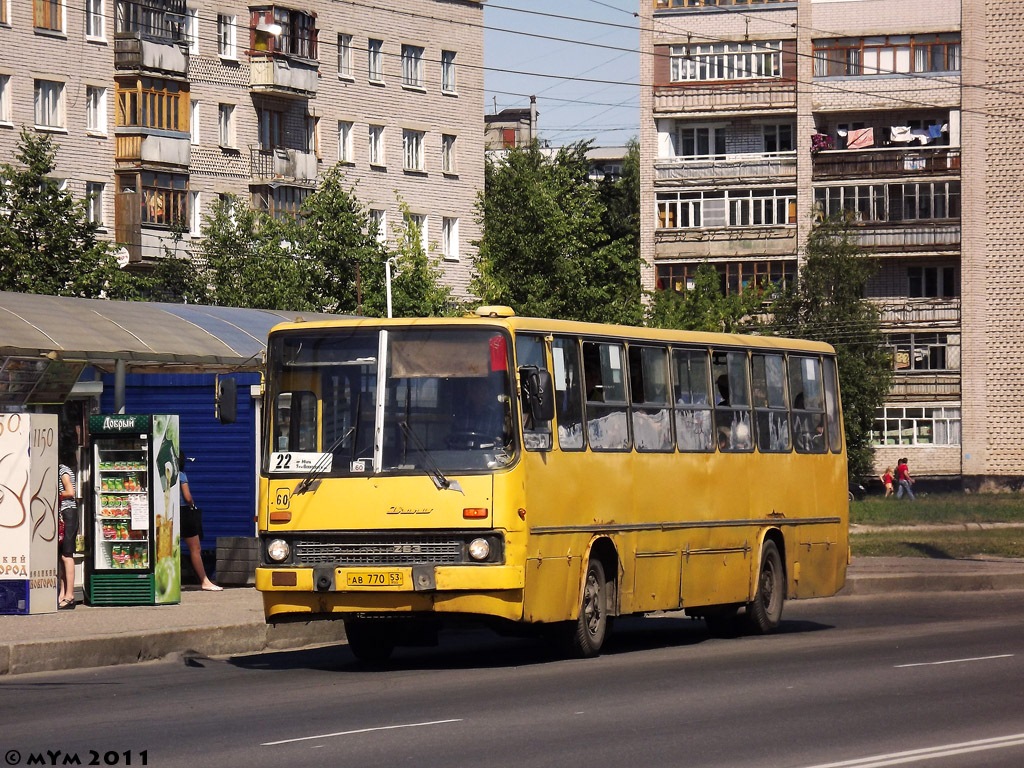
{"x":222,"y":476}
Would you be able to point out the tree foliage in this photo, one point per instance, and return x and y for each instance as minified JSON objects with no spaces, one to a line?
{"x":828,"y":305}
{"x":546,"y":249}
{"x":47,"y":243}
{"x":703,"y":307}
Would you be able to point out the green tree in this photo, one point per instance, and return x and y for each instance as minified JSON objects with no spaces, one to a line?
{"x":703,"y":307}
{"x":47,"y":243}
{"x":255,"y":260}
{"x":828,"y":305}
{"x":416,"y":288}
{"x":545,"y":250}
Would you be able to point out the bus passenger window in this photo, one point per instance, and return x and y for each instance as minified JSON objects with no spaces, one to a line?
{"x":649,"y":390}
{"x":568,"y":397}
{"x":771,"y":414}
{"x":607,"y":423}
{"x":805,"y":387}
{"x":694,"y":431}
{"x":832,"y":406}
{"x":732,"y":401}
{"x":529,"y":355}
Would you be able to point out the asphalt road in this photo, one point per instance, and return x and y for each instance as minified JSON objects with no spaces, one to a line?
{"x":916,"y":679}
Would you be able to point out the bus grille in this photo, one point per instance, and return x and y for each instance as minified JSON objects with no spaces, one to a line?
{"x":404,"y":550}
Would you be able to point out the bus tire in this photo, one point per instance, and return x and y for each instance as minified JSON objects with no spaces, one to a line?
{"x":588,"y":633}
{"x":371,"y":642}
{"x":764,"y":612}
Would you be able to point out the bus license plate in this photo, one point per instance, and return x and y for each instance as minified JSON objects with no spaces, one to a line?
{"x":374,"y":579}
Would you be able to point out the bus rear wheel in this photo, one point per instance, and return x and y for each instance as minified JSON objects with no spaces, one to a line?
{"x":586,"y":636}
{"x":764,"y":612}
{"x":371,"y":641}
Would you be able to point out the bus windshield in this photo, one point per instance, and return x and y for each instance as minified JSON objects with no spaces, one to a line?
{"x":358,"y":401}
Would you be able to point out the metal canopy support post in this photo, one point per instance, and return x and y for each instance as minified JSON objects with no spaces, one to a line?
{"x":119,"y":374}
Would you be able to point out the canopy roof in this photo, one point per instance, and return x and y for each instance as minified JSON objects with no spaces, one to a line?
{"x":144,"y":335}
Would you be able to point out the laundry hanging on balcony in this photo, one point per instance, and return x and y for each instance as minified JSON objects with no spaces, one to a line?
{"x":859,"y":138}
{"x":900,"y":134}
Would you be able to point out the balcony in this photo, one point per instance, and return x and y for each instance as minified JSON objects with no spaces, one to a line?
{"x":133,"y":51}
{"x":748,"y":97}
{"x":916,"y":386}
{"x":284,"y":76}
{"x":151,"y":148}
{"x":930,"y":313}
{"x":725,"y":242}
{"x":886,"y":163}
{"x":941,"y":235}
{"x":773,"y":167}
{"x":283,"y":164}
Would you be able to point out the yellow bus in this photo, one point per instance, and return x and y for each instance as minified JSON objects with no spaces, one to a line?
{"x":543,"y":474}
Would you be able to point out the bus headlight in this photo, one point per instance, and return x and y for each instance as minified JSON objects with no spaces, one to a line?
{"x":278,"y":550}
{"x":479,"y":549}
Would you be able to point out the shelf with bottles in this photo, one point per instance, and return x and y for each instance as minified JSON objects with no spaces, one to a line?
{"x":120,"y":531}
{"x":125,"y":555}
{"x":123,"y":482}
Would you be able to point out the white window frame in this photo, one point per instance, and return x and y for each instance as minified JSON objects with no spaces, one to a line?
{"x":412,"y":150}
{"x":226,"y":125}
{"x":380,"y":217}
{"x":192,"y":29}
{"x":345,"y":132}
{"x":95,"y":20}
{"x":6,"y":112}
{"x":375,"y":60}
{"x":448,"y":72}
{"x":421,"y":220}
{"x":96,"y":110}
{"x":194,"y":124}
{"x":195,"y":218}
{"x":48,"y":104}
{"x":703,"y":62}
{"x":448,"y":158}
{"x":450,"y":238}
{"x":910,"y":426}
{"x":412,"y":66}
{"x":376,"y":145}
{"x":95,"y":208}
{"x":227,"y":37}
{"x":5,"y":6}
{"x":344,"y":56}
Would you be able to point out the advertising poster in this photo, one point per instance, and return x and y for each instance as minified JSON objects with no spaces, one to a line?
{"x":166,"y":503}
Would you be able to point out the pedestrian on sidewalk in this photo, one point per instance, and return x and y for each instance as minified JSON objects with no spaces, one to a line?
{"x":67,"y":525}
{"x":192,"y":528}
{"x":904,"y":480}
{"x":886,"y":478}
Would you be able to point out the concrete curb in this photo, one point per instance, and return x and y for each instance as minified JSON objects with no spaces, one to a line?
{"x":980,"y":582}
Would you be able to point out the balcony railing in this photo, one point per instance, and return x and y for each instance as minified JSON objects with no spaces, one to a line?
{"x":925,"y":313}
{"x":284,"y":76}
{"x":919,"y":236}
{"x":282,"y":164}
{"x":878,"y":163}
{"x":915,"y":386}
{"x":747,"y":167}
{"x":152,"y":149}
{"x":134,"y":52}
{"x":749,"y":96}
{"x":724,"y":242}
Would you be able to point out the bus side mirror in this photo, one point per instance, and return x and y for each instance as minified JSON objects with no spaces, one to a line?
{"x":227,"y":400}
{"x":538,"y":394}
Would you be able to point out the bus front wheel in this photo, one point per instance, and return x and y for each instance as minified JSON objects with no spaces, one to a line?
{"x":590,"y":629}
{"x":764,"y":612}
{"x":370,"y":641}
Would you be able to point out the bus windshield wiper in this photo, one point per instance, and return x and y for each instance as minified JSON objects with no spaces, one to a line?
{"x":321,"y":464}
{"x":441,"y":482}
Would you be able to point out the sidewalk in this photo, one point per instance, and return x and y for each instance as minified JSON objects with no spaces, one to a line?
{"x":231,"y":622}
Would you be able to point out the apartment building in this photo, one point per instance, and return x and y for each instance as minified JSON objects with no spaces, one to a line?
{"x":763,"y":114}
{"x":161,"y":106}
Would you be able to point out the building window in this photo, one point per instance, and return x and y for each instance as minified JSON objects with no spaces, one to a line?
{"x":932,"y":282}
{"x":412,"y":146}
{"x":729,"y":208}
{"x":412,"y":66}
{"x":778,"y":137}
{"x":924,"y":351}
{"x":48,"y":14}
{"x":909,"y":426}
{"x":155,"y":20}
{"x":734,"y":276}
{"x":195,"y":218}
{"x":5,"y":97}
{"x":226,"y":36}
{"x":95,"y":19}
{"x":448,"y":71}
{"x":162,"y":197}
{"x":95,"y":109}
{"x":94,"y":202}
{"x":888,"y":203}
{"x":49,"y":104}
{"x":269,"y":128}
{"x":192,"y":29}
{"x":701,"y":141}
{"x":376,"y":145}
{"x":193,"y":122}
{"x":887,"y":55}
{"x":298,"y":35}
{"x":450,"y":238}
{"x":377,"y":220}
{"x":418,"y":222}
{"x":375,"y":60}
{"x":5,"y":12}
{"x":345,"y":56}
{"x":226,"y":125}
{"x":280,"y":202}
{"x":345,"y":154}
{"x":150,"y":102}
{"x":448,"y":154}
{"x":726,"y":61}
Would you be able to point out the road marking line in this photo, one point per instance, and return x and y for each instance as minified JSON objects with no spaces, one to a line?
{"x":928,"y":753}
{"x":953,"y":661}
{"x":360,"y":730}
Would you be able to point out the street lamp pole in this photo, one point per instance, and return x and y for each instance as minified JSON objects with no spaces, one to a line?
{"x":387,"y":278}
